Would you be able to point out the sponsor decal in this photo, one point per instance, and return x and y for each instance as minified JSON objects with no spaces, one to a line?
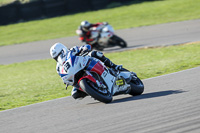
{"x":76,"y":61}
{"x":84,"y":61}
{"x":105,"y":73}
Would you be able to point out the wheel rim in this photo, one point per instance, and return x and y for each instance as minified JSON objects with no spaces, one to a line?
{"x":103,"y":91}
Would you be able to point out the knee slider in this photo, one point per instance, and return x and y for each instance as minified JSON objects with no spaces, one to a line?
{"x":96,"y":54}
{"x":99,"y":54}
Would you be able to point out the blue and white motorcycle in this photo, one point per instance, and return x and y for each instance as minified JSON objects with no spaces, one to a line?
{"x":91,"y":76}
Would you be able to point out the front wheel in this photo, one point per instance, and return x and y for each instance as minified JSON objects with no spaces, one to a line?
{"x":137,"y":87}
{"x":119,"y":41}
{"x":92,"y":89}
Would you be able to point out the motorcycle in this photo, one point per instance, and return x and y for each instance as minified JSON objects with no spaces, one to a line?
{"x":104,"y":38}
{"x":91,"y":76}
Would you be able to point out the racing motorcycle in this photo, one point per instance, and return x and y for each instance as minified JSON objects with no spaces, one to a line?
{"x":91,"y":76}
{"x":104,"y":38}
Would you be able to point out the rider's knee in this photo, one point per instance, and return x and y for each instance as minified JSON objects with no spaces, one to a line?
{"x":99,"y":54}
{"x":96,"y":54}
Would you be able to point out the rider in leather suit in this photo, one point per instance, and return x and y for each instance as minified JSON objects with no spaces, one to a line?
{"x":57,"y":49}
{"x":84,"y":31}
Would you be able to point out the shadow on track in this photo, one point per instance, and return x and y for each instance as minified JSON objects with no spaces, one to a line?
{"x":147,"y":95}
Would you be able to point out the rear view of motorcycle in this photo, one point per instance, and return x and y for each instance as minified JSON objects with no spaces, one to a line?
{"x":103,"y":38}
{"x":91,"y":76}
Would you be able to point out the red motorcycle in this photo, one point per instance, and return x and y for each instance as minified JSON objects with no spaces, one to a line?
{"x":104,"y":38}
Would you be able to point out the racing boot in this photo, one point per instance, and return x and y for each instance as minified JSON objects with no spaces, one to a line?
{"x":99,"y":55}
{"x":77,"y":94}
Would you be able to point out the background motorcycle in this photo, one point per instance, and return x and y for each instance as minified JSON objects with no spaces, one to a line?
{"x":91,"y":76}
{"x":105,"y":38}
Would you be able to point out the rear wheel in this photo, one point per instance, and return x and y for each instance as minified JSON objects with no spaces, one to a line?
{"x":102,"y":95}
{"x":137,"y":87}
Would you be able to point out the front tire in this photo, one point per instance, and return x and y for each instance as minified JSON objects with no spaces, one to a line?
{"x":119,"y":41}
{"x":137,"y":87}
{"x":88,"y":86}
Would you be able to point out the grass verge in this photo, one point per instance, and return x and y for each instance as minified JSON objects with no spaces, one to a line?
{"x":36,"y":81}
{"x":127,"y":16}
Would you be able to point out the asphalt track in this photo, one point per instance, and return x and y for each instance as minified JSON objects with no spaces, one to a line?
{"x":170,"y":103}
{"x":147,"y":36}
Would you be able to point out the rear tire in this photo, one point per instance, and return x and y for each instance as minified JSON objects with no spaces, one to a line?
{"x":137,"y":87}
{"x":86,"y":85}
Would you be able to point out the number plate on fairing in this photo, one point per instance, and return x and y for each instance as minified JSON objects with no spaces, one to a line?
{"x":119,"y":82}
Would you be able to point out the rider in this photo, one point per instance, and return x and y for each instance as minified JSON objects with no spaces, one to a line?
{"x":85,"y":33}
{"x":58,"y":49}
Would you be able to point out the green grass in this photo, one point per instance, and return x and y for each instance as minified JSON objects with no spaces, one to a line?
{"x":5,"y":2}
{"x":36,"y":81}
{"x":133,"y":15}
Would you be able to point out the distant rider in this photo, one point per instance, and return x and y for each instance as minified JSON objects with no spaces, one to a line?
{"x":84,"y":31}
{"x":58,"y":49}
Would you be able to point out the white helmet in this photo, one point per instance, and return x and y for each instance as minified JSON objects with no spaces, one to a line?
{"x":85,"y":25}
{"x":58,"y":49}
